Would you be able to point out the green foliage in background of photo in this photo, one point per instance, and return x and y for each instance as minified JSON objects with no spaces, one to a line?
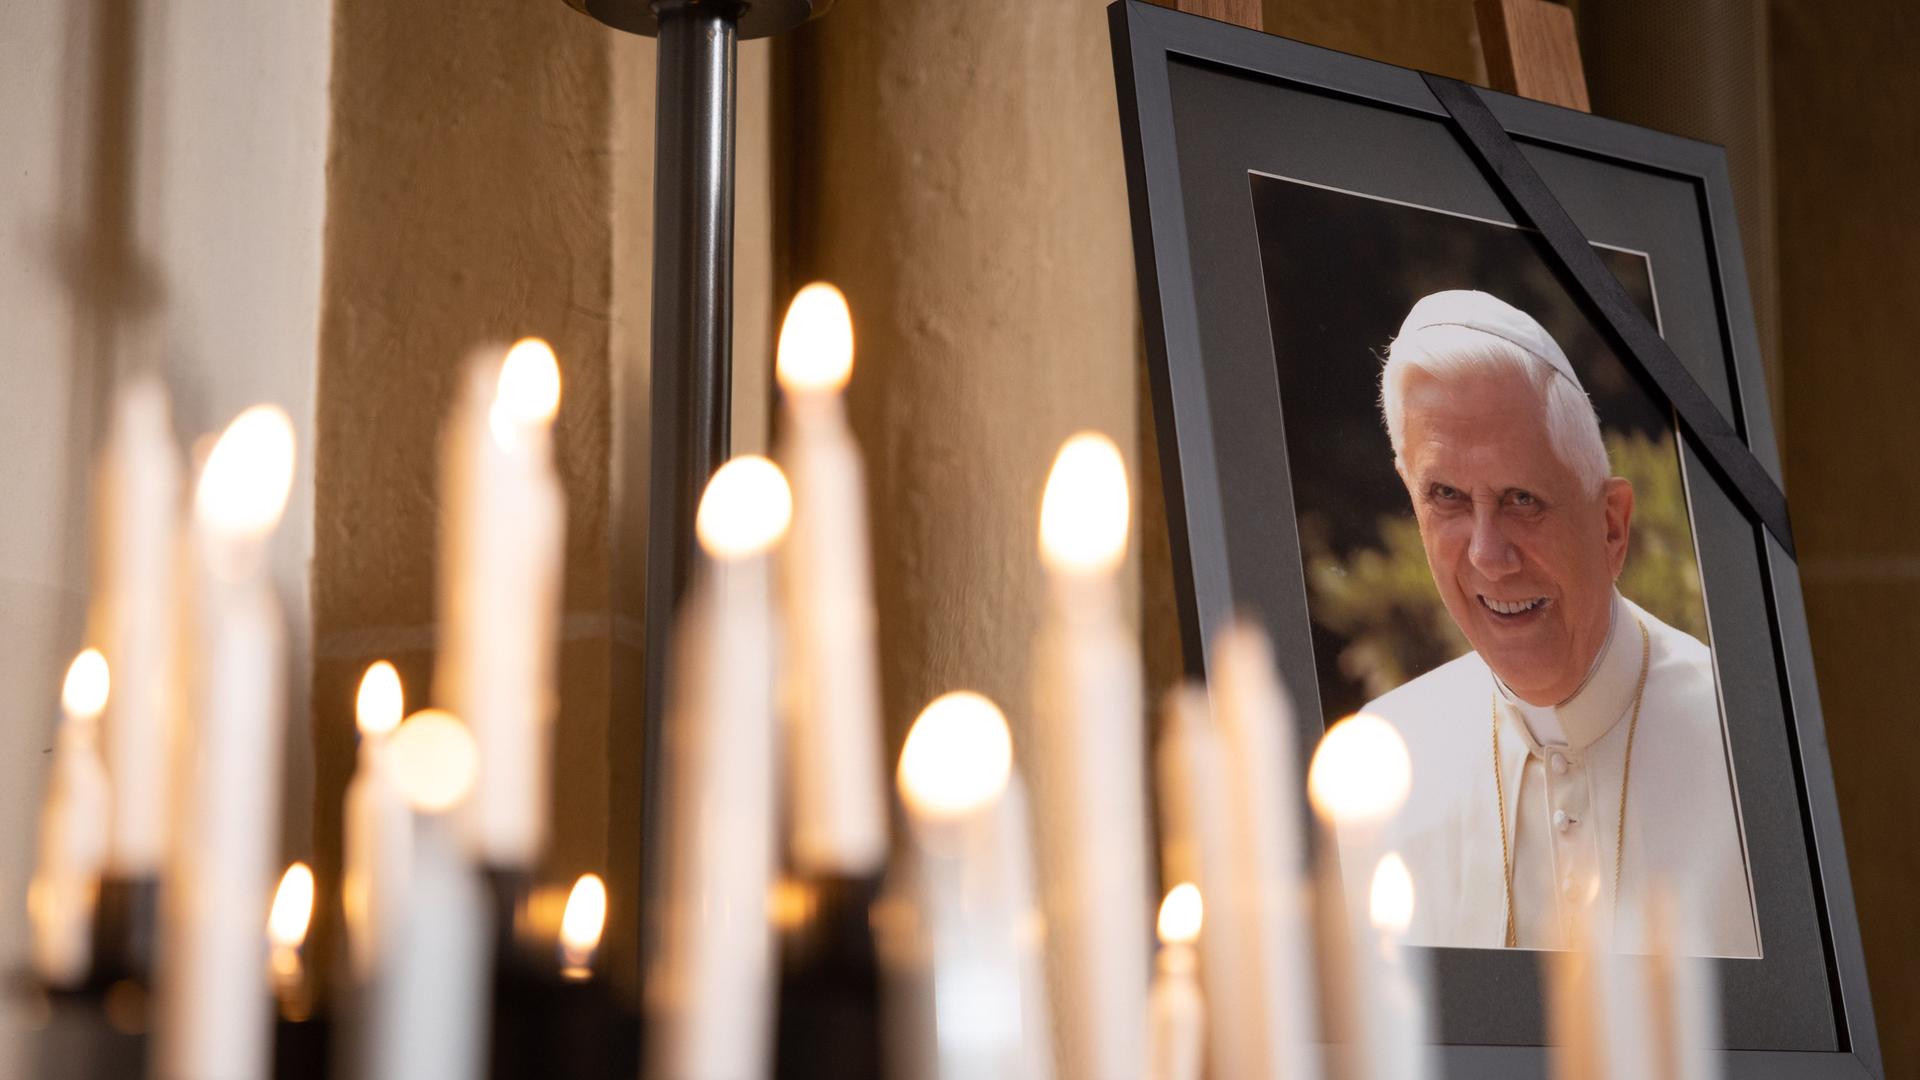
{"x":1381,"y":599}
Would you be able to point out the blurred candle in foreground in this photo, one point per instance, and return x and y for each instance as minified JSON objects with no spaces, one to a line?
{"x":378,"y":827}
{"x":1197,"y":821}
{"x":1684,"y":999}
{"x":1087,"y":766}
{"x":287,"y":923}
{"x":581,"y":925}
{"x":73,"y":831}
{"x":427,"y":1009}
{"x":137,"y":620}
{"x":502,"y":532}
{"x":1269,"y":906}
{"x":975,"y":892}
{"x":710,"y":975}
{"x":1176,"y":1011}
{"x":838,"y":819}
{"x":1359,"y":778}
{"x":1398,"y":1035}
{"x":1616,"y":1015}
{"x":213,"y":992}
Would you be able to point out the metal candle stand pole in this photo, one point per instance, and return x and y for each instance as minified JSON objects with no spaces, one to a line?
{"x":692,"y":304}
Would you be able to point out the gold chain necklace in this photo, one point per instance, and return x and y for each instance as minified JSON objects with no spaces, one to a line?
{"x":1626,"y":776}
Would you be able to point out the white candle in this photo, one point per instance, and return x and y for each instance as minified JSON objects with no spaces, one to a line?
{"x":378,"y":827}
{"x":1615,"y":1016}
{"x":73,"y":831}
{"x":1683,"y":1001}
{"x":838,"y":817}
{"x":135,"y":545}
{"x":1089,"y":776}
{"x":1270,"y":907}
{"x":1176,"y":1011}
{"x":213,"y":993}
{"x":1359,"y":777}
{"x":975,"y":892}
{"x":1193,"y":794}
{"x":427,"y":1012}
{"x":503,"y":527}
{"x":710,"y":980}
{"x":1398,"y":1037}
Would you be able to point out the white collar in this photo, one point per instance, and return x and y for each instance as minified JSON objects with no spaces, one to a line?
{"x":1600,"y":701}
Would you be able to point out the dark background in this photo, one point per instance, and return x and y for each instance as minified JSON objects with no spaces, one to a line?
{"x":1341,"y":272}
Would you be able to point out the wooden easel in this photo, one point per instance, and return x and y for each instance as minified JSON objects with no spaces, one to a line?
{"x":1529,"y":45}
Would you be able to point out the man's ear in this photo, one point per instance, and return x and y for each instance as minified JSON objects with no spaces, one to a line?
{"x":1618,"y":493}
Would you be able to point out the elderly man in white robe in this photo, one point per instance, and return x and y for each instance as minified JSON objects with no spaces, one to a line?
{"x":1572,"y":766}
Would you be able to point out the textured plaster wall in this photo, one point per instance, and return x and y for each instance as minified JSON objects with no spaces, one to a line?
{"x":956,"y":170}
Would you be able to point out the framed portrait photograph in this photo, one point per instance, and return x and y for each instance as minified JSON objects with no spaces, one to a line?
{"x":1460,"y":396}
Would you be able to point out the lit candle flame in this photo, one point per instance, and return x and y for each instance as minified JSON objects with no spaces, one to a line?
{"x":746,"y":508}
{"x":1083,"y":515}
{"x":791,"y":904}
{"x":381,"y":704}
{"x":84,"y":694}
{"x":434,"y":760}
{"x":582,"y":924}
{"x":816,"y":341}
{"x":248,"y":475}
{"x":528,"y":393}
{"x":292,"y":908}
{"x":1181,"y":914}
{"x":1360,"y":773}
{"x":958,"y":756}
{"x":1390,"y":901}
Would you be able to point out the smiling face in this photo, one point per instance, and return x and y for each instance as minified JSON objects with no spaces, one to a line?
{"x":1523,"y":554}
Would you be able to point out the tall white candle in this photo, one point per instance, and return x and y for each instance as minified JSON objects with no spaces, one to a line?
{"x":710,"y":980}
{"x":1176,"y":1014}
{"x":1088,"y":769}
{"x":73,"y":831}
{"x":975,"y":896}
{"x":1194,"y":794}
{"x":1399,"y":1039}
{"x":213,"y":993}
{"x":1359,"y":777}
{"x":136,"y":544}
{"x":378,"y":826}
{"x":1270,"y":906}
{"x":838,"y":819}
{"x":1683,"y":1001}
{"x":1614,"y":1015}
{"x":427,"y":1011}
{"x":503,"y":526}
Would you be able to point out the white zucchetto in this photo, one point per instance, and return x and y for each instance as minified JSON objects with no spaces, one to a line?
{"x":1474,"y":310}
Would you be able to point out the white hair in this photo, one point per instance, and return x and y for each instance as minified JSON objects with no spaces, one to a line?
{"x":1450,"y":351}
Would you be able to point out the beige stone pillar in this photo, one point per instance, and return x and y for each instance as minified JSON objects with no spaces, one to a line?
{"x":467,"y":201}
{"x":956,"y":169}
{"x":1849,"y":272}
{"x":490,"y":177}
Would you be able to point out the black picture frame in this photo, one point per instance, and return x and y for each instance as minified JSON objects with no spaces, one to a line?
{"x":1202,"y":105}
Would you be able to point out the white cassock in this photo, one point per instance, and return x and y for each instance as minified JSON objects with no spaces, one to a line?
{"x":1561,"y":768}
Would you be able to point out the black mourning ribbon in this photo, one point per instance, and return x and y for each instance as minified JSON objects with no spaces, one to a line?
{"x":1520,"y":187}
